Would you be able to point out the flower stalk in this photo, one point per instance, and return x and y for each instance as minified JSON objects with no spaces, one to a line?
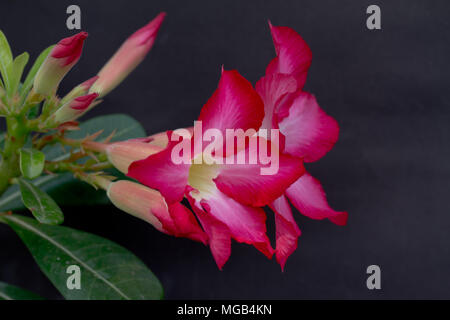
{"x":17,"y":133}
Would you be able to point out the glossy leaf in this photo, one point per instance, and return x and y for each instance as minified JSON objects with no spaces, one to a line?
{"x":28,"y":83}
{"x":107,"y":270}
{"x":41,"y":205}
{"x":34,"y":112}
{"x":5,"y":58}
{"x":15,"y":71}
{"x":10,"y":292}
{"x":2,"y":139}
{"x":58,"y":186}
{"x":31,"y":162}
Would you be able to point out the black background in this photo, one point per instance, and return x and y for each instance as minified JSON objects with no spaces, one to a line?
{"x":388,"y":90}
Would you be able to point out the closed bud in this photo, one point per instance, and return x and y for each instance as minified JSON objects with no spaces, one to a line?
{"x":74,"y":109}
{"x":137,"y":200}
{"x":58,"y":63}
{"x":122,"y":154}
{"x":149,"y":205}
{"x":79,"y":90}
{"x":128,"y":57}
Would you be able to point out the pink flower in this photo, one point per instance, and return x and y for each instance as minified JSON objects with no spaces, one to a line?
{"x":307,"y":133}
{"x":128,"y":57}
{"x":58,"y":63}
{"x":227,"y":198}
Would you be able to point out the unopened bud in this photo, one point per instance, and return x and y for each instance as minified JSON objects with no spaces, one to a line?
{"x":74,"y":109}
{"x":128,"y":57}
{"x":58,"y":63}
{"x":122,"y":154}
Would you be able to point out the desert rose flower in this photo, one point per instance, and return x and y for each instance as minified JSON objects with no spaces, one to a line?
{"x":74,"y":109}
{"x":58,"y":63}
{"x":227,"y":198}
{"x":149,"y":205}
{"x":307,"y":133}
{"x":128,"y":57}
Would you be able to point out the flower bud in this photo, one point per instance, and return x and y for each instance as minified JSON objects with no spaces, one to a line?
{"x":149,"y":205}
{"x":137,"y":200}
{"x":74,"y":109}
{"x":60,"y":60}
{"x":79,"y":90}
{"x":122,"y":154}
{"x":128,"y":57}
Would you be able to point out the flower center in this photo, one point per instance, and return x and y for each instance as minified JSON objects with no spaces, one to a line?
{"x":201,"y":178}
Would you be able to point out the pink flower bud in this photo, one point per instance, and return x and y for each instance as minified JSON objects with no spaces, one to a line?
{"x":149,"y":205}
{"x":88,"y":83}
{"x":122,"y":154}
{"x":128,"y":57}
{"x":60,"y":60}
{"x":75,"y":108}
{"x":79,"y":90}
{"x":137,"y":200}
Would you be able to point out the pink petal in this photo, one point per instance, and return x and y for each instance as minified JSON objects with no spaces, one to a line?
{"x":158,"y":171}
{"x":307,"y":195}
{"x":272,"y":88}
{"x":68,"y":50}
{"x":180,"y":222}
{"x":308,"y":131}
{"x":287,"y":231}
{"x":246,"y":184}
{"x":246,"y":224}
{"x":293,"y":54}
{"x":86,"y":85}
{"x":219,"y":236}
{"x":83,"y":102}
{"x":235,"y":104}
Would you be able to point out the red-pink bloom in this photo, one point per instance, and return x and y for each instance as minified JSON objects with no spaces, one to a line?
{"x":226,"y":198}
{"x":307,"y":132}
{"x":127,"y":58}
{"x":58,"y":63}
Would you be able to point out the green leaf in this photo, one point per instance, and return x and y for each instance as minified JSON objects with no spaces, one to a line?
{"x":28,"y":83}
{"x":31,"y":162}
{"x":5,"y":58}
{"x":63,"y":188}
{"x":15,"y":72}
{"x":34,"y":111}
{"x":2,"y":139}
{"x":10,"y":292}
{"x":108,"y":271}
{"x":43,"y":208}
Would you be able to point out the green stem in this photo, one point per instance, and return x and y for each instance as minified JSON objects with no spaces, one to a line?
{"x":61,"y":166}
{"x":16,"y":137}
